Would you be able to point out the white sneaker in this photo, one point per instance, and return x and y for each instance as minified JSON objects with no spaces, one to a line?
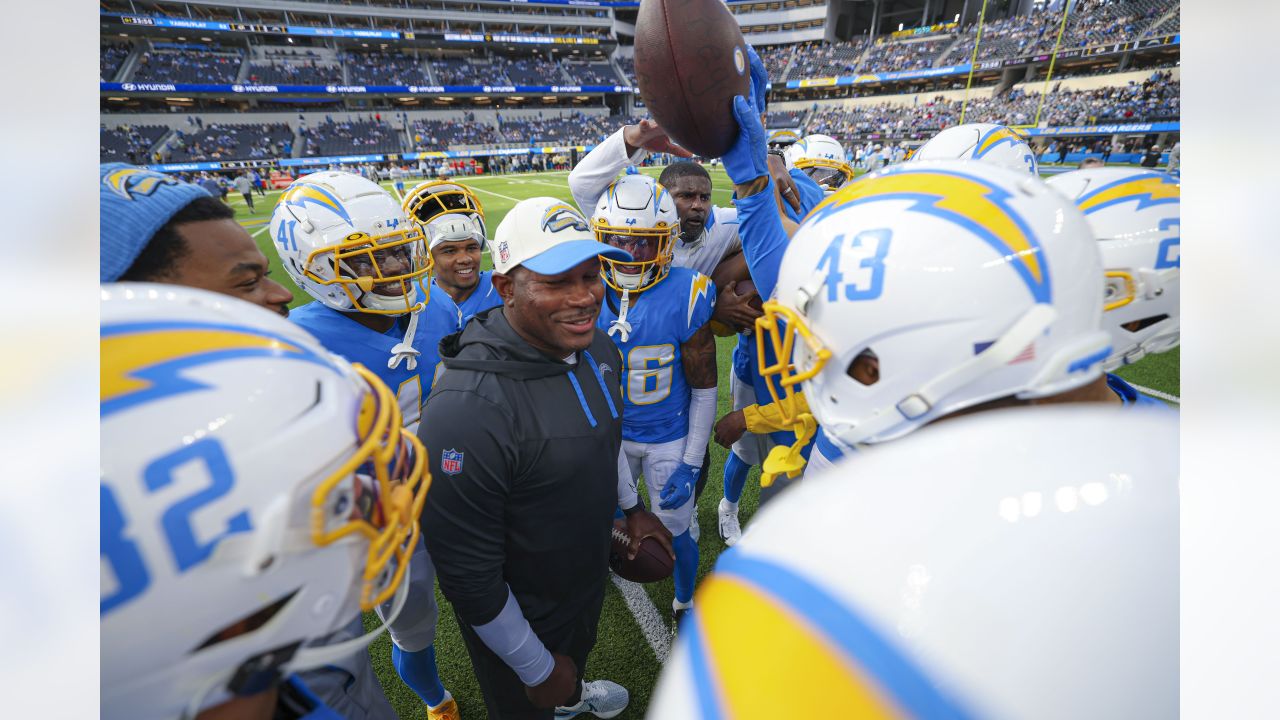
{"x":694,"y":530}
{"x":602,"y":698}
{"x":730,"y":531}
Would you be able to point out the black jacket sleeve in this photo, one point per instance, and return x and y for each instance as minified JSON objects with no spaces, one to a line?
{"x":462,"y":521}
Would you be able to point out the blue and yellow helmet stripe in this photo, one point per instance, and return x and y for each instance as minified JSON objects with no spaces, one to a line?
{"x":805,"y":645}
{"x":301,"y":194}
{"x":145,"y":361}
{"x":1146,"y":190}
{"x":960,"y":198}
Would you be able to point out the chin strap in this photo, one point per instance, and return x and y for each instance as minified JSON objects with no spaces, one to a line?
{"x":621,"y":325}
{"x":789,"y":460}
{"x":404,"y":350}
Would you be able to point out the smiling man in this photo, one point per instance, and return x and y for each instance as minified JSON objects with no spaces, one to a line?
{"x":523,"y":430}
{"x":156,"y":228}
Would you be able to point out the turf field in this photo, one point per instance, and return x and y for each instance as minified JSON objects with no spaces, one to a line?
{"x":633,"y":630}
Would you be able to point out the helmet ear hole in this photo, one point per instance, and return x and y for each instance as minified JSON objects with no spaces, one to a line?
{"x":865,"y":368}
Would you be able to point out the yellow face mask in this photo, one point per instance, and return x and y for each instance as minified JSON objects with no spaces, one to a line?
{"x":378,"y":493}
{"x":781,"y":332}
{"x":1119,"y":289}
{"x":830,"y":174}
{"x":636,"y":275}
{"x":430,"y":200}
{"x":395,"y":263}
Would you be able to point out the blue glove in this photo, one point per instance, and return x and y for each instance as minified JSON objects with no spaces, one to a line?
{"x":748,"y":159}
{"x":679,"y":487}
{"x":759,"y":80}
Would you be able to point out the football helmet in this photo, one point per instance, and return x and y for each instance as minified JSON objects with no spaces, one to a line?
{"x":997,"y":144}
{"x":968,"y":282}
{"x":1018,"y":563}
{"x":429,"y":200}
{"x":636,"y":214}
{"x":348,"y":243}
{"x":783,"y":138}
{"x":1135,"y":216}
{"x":256,"y":492}
{"x":821,"y":157}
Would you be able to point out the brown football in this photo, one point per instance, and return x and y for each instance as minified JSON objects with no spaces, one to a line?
{"x":651,"y":563}
{"x":690,"y":61}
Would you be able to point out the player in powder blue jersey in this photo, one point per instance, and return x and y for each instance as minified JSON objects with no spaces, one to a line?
{"x":347,"y":243}
{"x":455,"y":244}
{"x":659,"y":316}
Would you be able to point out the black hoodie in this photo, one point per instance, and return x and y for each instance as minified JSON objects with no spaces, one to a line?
{"x":523,"y":453}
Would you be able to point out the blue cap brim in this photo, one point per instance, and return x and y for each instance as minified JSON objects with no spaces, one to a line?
{"x":568,"y":255}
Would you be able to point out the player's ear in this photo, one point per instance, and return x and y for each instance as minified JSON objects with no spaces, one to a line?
{"x":505,"y":286}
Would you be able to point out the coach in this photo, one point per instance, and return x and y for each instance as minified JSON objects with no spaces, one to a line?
{"x":523,"y":431}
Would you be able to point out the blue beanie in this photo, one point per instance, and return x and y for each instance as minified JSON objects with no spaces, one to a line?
{"x":135,"y":203}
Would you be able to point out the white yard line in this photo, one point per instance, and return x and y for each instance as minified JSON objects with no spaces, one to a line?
{"x":260,"y":230}
{"x":646,"y":614}
{"x":490,"y":192}
{"x":1157,"y":394}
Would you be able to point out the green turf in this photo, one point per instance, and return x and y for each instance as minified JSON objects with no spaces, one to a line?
{"x":621,"y":653}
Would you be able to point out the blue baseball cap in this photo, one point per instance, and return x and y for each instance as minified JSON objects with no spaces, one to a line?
{"x":134,"y":204}
{"x":547,"y":236}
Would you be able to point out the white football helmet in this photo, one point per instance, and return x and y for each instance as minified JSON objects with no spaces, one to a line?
{"x":783,"y":138}
{"x":431,"y":199}
{"x":256,"y":492}
{"x":1135,"y":215}
{"x":636,"y":213}
{"x":1018,"y":563}
{"x":348,"y":243}
{"x":988,"y":142}
{"x":968,"y":281}
{"x":821,"y":157}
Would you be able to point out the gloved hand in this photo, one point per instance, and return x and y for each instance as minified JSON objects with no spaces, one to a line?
{"x":759,"y":80}
{"x":748,"y":159}
{"x":679,"y":487}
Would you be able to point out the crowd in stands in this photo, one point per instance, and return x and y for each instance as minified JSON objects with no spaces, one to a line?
{"x":187,"y":66}
{"x":390,"y":68}
{"x":784,"y":119}
{"x":110,"y":57}
{"x":1090,"y":22}
{"x":628,"y":66}
{"x":307,"y":73}
{"x":1155,"y":99}
{"x":528,"y":70}
{"x":129,"y":143}
{"x":350,"y":137}
{"x":219,"y":141}
{"x":591,"y":73}
{"x":460,"y":71}
{"x":570,"y":129}
{"x":892,"y":56}
{"x":440,"y":134}
{"x":817,"y":59}
{"x":776,"y":57}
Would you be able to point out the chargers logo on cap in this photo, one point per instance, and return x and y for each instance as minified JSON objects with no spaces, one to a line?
{"x":131,"y":182}
{"x":559,"y":217}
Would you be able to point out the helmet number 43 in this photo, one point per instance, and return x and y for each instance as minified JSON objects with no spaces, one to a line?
{"x":866,"y":279}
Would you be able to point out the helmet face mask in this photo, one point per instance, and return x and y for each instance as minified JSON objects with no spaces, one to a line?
{"x":307,"y":492}
{"x":965,"y":282}
{"x":640,"y":216}
{"x":429,"y":200}
{"x":822,"y":158}
{"x":348,"y":243}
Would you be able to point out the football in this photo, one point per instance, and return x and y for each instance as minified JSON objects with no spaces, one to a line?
{"x":746,"y":287}
{"x":690,"y":62}
{"x":651,"y":563}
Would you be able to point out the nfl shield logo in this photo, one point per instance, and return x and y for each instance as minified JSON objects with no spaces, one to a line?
{"x":451,"y":462}
{"x":503,"y":253}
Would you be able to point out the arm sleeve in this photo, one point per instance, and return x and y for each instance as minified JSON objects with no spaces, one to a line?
{"x":601,"y":166}
{"x":462,"y":521}
{"x":763,"y":238}
{"x":764,"y":419}
{"x":511,"y":638}
{"x":702,"y":416}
